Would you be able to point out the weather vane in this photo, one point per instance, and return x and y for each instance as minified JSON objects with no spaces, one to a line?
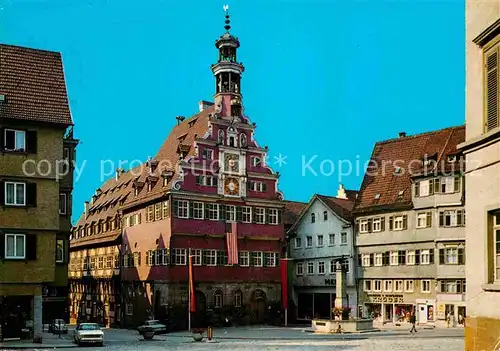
{"x":228,"y":21}
{"x":225,"y":7}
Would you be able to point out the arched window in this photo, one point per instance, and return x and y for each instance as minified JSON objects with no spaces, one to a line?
{"x":325,"y":216}
{"x":238,"y":298}
{"x":218,"y":299}
{"x":221,"y":137}
{"x":243,"y":140}
{"x":313,"y":217}
{"x":231,"y":141}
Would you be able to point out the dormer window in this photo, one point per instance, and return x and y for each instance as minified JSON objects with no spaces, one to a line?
{"x":377,"y":196}
{"x":397,"y":170}
{"x":452,"y":158}
{"x":256,"y":161}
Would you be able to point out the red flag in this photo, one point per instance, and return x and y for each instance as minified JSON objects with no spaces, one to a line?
{"x":192,"y":294}
{"x":284,"y":282}
{"x":232,"y":244}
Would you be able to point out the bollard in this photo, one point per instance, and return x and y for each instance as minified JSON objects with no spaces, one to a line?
{"x":210,"y":333}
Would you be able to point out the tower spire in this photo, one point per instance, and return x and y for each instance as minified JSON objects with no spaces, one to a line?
{"x":227,"y":22}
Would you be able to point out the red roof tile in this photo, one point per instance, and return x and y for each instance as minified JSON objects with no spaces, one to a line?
{"x":33,"y":84}
{"x":292,"y":211}
{"x":382,"y":179}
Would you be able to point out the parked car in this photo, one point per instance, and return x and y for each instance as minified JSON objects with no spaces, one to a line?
{"x":58,"y":326}
{"x":88,"y":333}
{"x":154,"y":325}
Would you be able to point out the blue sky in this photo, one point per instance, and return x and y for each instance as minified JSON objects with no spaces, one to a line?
{"x":324,"y":78}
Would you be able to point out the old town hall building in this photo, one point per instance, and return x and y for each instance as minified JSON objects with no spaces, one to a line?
{"x":208,"y":185}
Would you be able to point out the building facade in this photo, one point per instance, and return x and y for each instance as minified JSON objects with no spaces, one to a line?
{"x":36,"y":183}
{"x":209,"y":194}
{"x":410,"y":237}
{"x":482,"y":150}
{"x":321,"y":237}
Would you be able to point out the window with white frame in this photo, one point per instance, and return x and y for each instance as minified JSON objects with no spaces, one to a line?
{"x":165,"y":209}
{"x":378,"y":260}
{"x":409,"y":286}
{"x":422,"y":220}
{"x":271,"y":259}
{"x":310,"y":268}
{"x":258,"y":186}
{"x":273,"y":215}
{"x":182,"y":209}
{"x":218,"y":299}
{"x":244,"y":258}
{"x":424,"y":188}
{"x":398,"y":286}
{"x":377,"y":285}
{"x":197,"y":210}
{"x":256,"y":161}
{"x":196,"y":257}
{"x":246,"y":214}
{"x":387,"y":285}
{"x":15,"y":193}
{"x":59,"y":251}
{"x":321,"y":267}
{"x":394,"y":258}
{"x":14,"y":140}
{"x":496,"y":247}
{"x":230,"y":213}
{"x":63,"y":203}
{"x":213,"y":212}
{"x":331,"y":239}
{"x":211,"y":257}
{"x":208,"y":154}
{"x":410,"y":257}
{"x":180,"y":257}
{"x":452,"y":218}
{"x":451,"y":255}
{"x":320,"y":240}
{"x":447,"y":185}
{"x":309,"y":241}
{"x":367,"y":286}
{"x":166,"y":256}
{"x":298,"y":242}
{"x":260,"y":214}
{"x":257,"y":259}
{"x":238,"y":298}
{"x":299,"y":268}
{"x":365,"y":260}
{"x":15,"y":246}
{"x":426,"y":286}
{"x":343,"y":238}
{"x":425,"y":257}
{"x":363,"y":226}
{"x":377,"y":224}
{"x":398,"y":222}
{"x":333,"y":267}
{"x":158,"y":211}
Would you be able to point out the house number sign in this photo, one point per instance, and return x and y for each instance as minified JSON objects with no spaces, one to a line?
{"x":387,"y":298}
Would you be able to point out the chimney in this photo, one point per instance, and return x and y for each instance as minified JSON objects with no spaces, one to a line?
{"x":119,"y":172}
{"x":341,"y":194}
{"x":402,"y":134}
{"x":86,"y":207}
{"x":203,"y":105}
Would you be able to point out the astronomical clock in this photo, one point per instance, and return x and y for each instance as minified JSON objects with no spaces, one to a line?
{"x":232,"y":163}
{"x":231,"y":186}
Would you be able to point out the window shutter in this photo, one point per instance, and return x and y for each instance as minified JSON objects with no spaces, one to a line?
{"x":371,"y":260}
{"x":239,"y":214}
{"x":250,"y":185}
{"x":429,"y":219}
{"x":436,"y":185}
{"x":441,"y":219}
{"x":222,"y":212}
{"x":382,"y":224}
{"x":457,"y":184}
{"x":279,"y":217}
{"x":417,"y":189}
{"x":431,"y":256}
{"x":443,"y":286}
{"x":2,"y":244}
{"x":459,"y":217}
{"x":31,"y":247}
{"x":405,"y":222}
{"x":2,"y":192}
{"x":175,"y":211}
{"x":417,"y":256}
{"x":191,"y":210}
{"x":360,"y":260}
{"x":431,"y":186}
{"x":148,"y":262}
{"x":31,"y":142}
{"x":357,"y":226}
{"x":461,"y":256}
{"x":491,"y":87}
{"x":267,"y":214}
{"x":139,"y":217}
{"x":264,"y":187}
{"x":441,"y":256}
{"x":265,"y":257}
{"x":31,"y":194}
{"x":391,"y":222}
{"x":215,"y":181}
{"x":370,"y":222}
{"x":10,"y":140}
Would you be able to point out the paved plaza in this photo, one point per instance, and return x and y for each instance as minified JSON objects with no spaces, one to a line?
{"x":266,"y":338}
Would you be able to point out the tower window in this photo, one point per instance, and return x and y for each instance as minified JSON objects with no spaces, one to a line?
{"x":236,"y":110}
{"x":231,"y":141}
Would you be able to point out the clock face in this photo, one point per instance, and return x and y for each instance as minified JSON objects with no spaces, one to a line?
{"x":231,"y":186}
{"x":232,"y":162}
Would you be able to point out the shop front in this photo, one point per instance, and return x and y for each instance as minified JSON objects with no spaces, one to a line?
{"x":425,"y":311}
{"x":451,"y":310}
{"x":388,"y":308}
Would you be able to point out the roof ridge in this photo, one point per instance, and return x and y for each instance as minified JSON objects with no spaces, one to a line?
{"x":388,"y":141}
{"x":30,"y":49}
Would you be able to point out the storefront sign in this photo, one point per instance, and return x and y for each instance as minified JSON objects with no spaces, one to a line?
{"x":386,"y":298}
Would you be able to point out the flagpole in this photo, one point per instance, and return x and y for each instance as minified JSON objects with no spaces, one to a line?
{"x":286,"y":309}
{"x":189,"y":291}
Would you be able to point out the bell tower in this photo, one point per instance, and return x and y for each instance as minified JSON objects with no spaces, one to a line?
{"x":227,"y":72}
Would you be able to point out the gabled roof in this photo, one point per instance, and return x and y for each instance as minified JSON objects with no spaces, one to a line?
{"x":291,"y":211}
{"x":339,"y":206}
{"x":395,"y":162}
{"x":33,"y":84}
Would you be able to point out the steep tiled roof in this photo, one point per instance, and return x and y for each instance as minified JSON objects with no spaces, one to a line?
{"x":342,"y":207}
{"x":33,"y":84}
{"x":292,"y":211}
{"x":117,"y":194}
{"x":394,"y":162}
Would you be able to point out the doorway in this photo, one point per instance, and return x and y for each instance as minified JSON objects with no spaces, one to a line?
{"x":461,"y":315}
{"x":422,"y":314}
{"x":199,"y":316}
{"x":258,"y":302}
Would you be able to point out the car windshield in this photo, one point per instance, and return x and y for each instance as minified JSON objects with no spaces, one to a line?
{"x":89,"y":327}
{"x":59,"y":321}
{"x":151,"y":322}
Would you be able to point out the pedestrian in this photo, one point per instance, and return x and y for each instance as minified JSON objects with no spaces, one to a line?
{"x":413,"y":320}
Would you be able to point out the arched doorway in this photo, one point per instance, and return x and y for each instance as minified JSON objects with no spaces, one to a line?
{"x":258,"y":304}
{"x":199,"y":317}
